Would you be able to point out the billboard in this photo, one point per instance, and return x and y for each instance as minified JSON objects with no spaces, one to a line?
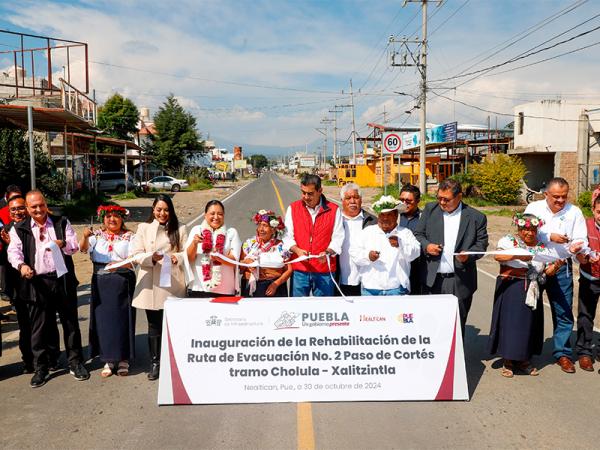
{"x":435,"y":135}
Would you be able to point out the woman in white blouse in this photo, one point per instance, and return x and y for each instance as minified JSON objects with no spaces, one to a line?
{"x":517,"y":330}
{"x":208,"y":274}
{"x":112,"y":318}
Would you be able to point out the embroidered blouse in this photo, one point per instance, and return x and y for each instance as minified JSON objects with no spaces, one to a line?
{"x":107,"y":247}
{"x":542,"y":253}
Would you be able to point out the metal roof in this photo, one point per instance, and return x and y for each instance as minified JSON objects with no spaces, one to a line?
{"x":44,"y":119}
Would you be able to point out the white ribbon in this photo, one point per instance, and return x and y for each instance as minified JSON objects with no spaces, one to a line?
{"x":165,"y":272}
{"x":131,"y":260}
{"x":57,"y":258}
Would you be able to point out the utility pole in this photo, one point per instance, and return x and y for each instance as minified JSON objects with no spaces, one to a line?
{"x":325,"y":121}
{"x":335,"y":111}
{"x":421,"y":65}
{"x":353,"y":124}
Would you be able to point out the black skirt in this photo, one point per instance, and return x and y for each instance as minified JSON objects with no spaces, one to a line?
{"x":112,"y":318}
{"x":261,"y":289}
{"x":517,"y":331}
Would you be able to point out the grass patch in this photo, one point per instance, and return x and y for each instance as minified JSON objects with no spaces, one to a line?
{"x":125,"y":196}
{"x":329,"y":183}
{"x":503,"y":212}
{"x":200,"y":185}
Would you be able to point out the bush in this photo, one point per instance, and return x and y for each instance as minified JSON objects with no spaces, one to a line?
{"x":585,"y":199}
{"x":466,"y":182}
{"x":201,"y":185}
{"x":585,"y":203}
{"x":499,"y":178}
{"x":83,"y":205}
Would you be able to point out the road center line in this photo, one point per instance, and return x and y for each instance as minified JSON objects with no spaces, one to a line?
{"x":278,"y":197}
{"x":306,"y":432}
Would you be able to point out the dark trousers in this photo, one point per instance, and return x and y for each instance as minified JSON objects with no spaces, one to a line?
{"x":589,"y":292}
{"x":155,"y":321}
{"x":155,"y":324}
{"x":350,"y":290}
{"x":25,"y":333}
{"x":446,"y":285}
{"x":52,"y":297}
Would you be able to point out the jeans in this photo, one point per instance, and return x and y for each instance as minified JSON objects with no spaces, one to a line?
{"x":560,"y":294}
{"x":396,"y":291}
{"x":320,"y":284}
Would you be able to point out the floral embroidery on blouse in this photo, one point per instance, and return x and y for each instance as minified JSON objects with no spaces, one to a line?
{"x":252,"y":248}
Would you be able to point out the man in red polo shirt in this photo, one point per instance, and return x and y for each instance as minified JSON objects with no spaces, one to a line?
{"x":313,"y":227}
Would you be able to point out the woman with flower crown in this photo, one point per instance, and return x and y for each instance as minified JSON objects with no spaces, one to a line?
{"x":112,"y":318}
{"x":270,"y":277}
{"x":208,"y":274}
{"x":517,"y":329}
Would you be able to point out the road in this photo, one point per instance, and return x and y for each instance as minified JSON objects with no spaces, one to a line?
{"x":543,"y":411}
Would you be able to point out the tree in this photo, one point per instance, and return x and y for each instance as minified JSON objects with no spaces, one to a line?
{"x":118,"y":117}
{"x":258,"y":162}
{"x":14,"y":165}
{"x":500,"y":178}
{"x":176,"y":136}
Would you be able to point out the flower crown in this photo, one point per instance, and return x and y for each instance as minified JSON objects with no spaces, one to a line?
{"x":103,"y":210}
{"x":521,"y":221}
{"x":268,"y":216}
{"x":386,"y":203}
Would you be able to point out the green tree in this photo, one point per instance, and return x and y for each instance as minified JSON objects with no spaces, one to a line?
{"x":258,"y":161}
{"x":176,"y":136}
{"x":14,"y":164}
{"x":118,"y":117}
{"x":500,"y":178}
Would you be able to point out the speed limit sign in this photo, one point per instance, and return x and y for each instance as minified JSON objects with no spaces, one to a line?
{"x":392,"y":143}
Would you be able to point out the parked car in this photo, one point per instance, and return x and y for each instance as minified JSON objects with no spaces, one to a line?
{"x":115,"y":182}
{"x":166,"y":183}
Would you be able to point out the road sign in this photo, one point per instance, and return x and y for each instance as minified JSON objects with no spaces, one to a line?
{"x":391,"y":143}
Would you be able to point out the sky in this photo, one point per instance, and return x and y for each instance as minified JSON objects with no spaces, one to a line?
{"x":264,"y":74}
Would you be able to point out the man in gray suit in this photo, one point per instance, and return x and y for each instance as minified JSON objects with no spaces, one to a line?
{"x":446,"y":227}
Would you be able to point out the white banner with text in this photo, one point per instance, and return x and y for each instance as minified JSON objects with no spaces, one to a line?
{"x":311,"y":349}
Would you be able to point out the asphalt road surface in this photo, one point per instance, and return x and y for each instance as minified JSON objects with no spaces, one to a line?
{"x":552,"y":410}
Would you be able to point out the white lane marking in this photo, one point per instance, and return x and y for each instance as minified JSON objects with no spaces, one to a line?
{"x":224,"y":200}
{"x":546,"y":304}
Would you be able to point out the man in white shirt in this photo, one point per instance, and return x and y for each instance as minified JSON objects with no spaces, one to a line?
{"x":563,"y":223}
{"x":383,"y":252}
{"x":313,"y":227}
{"x":447,"y":228}
{"x":354,"y":219}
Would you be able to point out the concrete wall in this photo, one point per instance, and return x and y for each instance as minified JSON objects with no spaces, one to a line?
{"x":541,"y":134}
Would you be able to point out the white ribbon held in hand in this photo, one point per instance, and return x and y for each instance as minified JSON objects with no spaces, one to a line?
{"x":57,"y":258}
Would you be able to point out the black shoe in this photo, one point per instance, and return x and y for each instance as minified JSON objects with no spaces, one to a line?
{"x":79,"y":372}
{"x":39,"y":379}
{"x":28,"y":368}
{"x":154,"y":371}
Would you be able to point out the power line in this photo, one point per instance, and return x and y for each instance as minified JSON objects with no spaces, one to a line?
{"x":209,"y":80}
{"x":521,"y":35}
{"x":506,"y":114}
{"x":518,"y":58}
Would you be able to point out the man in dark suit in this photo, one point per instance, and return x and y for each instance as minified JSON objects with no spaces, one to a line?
{"x":446,"y":227}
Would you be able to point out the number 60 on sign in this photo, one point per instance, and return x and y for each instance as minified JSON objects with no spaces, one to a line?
{"x":391,"y":143}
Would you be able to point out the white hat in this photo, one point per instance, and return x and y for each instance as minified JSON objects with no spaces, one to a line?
{"x":387,"y":203}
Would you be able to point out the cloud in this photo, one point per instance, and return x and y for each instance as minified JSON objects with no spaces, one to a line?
{"x":214,"y":56}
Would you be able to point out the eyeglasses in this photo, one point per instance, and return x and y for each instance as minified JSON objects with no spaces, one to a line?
{"x":445,"y":199}
{"x":17,"y":208}
{"x":407,"y":200}
{"x":42,"y":234}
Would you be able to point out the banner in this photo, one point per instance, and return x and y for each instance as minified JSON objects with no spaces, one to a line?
{"x":311,"y":349}
{"x":435,"y":135}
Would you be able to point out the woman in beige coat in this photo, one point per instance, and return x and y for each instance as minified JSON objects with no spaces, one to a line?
{"x":160,"y":237}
